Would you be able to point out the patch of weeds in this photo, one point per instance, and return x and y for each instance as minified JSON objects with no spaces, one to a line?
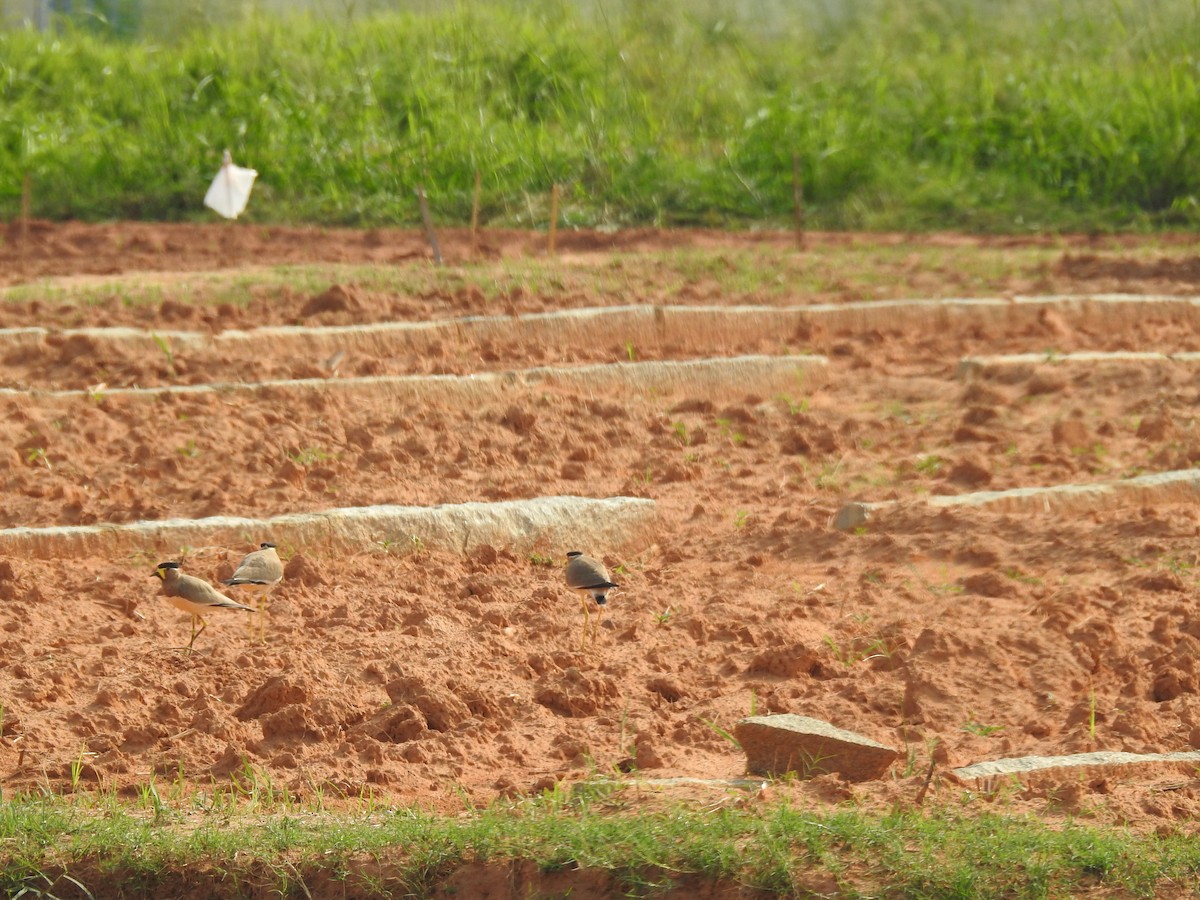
{"x":1017,"y":575}
{"x":857,"y":650}
{"x":190,"y":450}
{"x":662,"y":619}
{"x":828,"y":479}
{"x":930,"y":465}
{"x":681,"y":433}
{"x":978,"y":728}
{"x":794,"y":408}
{"x":725,"y":426}
{"x":539,"y":560}
{"x":1177,"y":566}
{"x":309,"y":455}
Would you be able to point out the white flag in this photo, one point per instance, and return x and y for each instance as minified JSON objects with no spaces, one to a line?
{"x":230,"y":190}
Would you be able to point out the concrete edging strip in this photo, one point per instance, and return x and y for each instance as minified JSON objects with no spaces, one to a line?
{"x":731,"y":377}
{"x":559,"y":523}
{"x":1160,"y":487}
{"x":970,"y":366}
{"x":686,"y":326}
{"x":1044,"y":765}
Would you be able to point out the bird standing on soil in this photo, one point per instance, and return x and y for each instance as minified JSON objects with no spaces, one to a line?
{"x":590,"y":578}
{"x":258,"y":573}
{"x":192,"y":595}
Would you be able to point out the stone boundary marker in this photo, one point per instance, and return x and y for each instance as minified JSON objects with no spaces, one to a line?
{"x":1103,"y":762}
{"x":1182,"y":485}
{"x":778,"y":744}
{"x":972,"y":366}
{"x":782,"y":743}
{"x":730,"y":378}
{"x":521,"y":526}
{"x":684,"y":326}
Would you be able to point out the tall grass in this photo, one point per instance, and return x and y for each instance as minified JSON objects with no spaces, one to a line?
{"x":920,"y":114}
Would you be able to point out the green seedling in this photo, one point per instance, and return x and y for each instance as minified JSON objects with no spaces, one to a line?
{"x":37,"y":455}
{"x":164,"y":345}
{"x":973,"y":727}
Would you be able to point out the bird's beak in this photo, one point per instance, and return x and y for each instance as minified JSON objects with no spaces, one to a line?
{"x":157,"y":573}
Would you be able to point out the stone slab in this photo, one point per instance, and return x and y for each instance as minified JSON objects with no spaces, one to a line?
{"x":559,"y":523}
{"x":779,"y":744}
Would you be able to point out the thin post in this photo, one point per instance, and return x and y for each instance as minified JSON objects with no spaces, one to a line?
{"x":26,"y":205}
{"x":475,"y":217}
{"x":430,"y":234}
{"x":798,"y":197}
{"x":553,"y":220}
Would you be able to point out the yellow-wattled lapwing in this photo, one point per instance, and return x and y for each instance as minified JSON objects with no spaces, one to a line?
{"x":258,"y":573}
{"x":590,"y":578}
{"x":192,"y":595}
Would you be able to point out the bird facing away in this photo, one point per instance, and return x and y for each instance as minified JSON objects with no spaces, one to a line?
{"x":590,"y":578}
{"x":258,"y":573}
{"x":192,"y":595}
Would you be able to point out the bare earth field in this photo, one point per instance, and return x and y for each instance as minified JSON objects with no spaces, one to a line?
{"x":419,"y":675}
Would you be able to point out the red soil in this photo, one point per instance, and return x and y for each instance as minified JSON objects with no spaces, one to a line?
{"x":420,"y":676}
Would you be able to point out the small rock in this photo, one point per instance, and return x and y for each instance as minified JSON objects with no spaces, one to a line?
{"x":789,"y":743}
{"x":851,"y":516}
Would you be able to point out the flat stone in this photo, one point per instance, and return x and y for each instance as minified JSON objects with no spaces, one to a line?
{"x":1044,"y":765}
{"x":851,"y":516}
{"x":776,"y":745}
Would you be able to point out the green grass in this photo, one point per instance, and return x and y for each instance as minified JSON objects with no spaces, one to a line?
{"x":751,"y":274}
{"x":925,"y":115}
{"x":247,"y":840}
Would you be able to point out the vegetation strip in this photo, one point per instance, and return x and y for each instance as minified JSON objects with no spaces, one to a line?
{"x":247,"y":840}
{"x":886,"y":116}
{"x":520,"y":525}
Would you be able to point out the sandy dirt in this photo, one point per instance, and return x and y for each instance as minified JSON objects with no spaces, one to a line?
{"x":422,"y":677}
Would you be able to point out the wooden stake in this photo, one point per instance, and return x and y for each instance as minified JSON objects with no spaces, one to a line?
{"x":26,"y":204}
{"x":475,"y":217}
{"x":798,"y":196}
{"x":553,"y":220}
{"x":430,"y":235}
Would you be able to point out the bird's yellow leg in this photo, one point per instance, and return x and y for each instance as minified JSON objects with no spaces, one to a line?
{"x":263,"y":612}
{"x":586,"y":617}
{"x":195,"y":633}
